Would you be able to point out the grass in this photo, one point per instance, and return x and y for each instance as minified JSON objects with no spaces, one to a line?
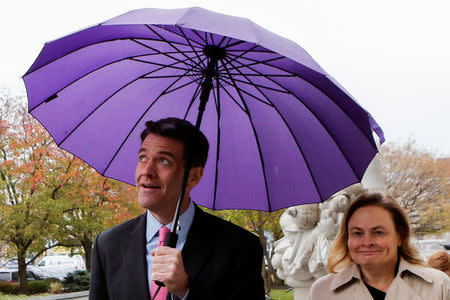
{"x":282,"y":295}
{"x":17,"y":297}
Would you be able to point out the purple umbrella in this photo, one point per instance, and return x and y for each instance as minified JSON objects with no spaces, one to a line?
{"x":282,"y":131}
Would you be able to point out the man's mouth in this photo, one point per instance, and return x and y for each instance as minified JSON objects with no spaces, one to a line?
{"x":150,"y":186}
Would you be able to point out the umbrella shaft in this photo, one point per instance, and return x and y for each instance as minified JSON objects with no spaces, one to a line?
{"x":206,"y":89}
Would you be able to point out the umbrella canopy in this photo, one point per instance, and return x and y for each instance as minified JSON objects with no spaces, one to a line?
{"x":282,"y":132}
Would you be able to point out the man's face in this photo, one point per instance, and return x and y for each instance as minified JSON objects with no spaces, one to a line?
{"x":159,"y":174}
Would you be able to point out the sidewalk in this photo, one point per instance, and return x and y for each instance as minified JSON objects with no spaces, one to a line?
{"x":83,"y":295}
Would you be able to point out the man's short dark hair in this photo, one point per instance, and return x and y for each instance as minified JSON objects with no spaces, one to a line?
{"x":195,"y":144}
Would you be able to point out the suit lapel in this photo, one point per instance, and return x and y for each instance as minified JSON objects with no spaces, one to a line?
{"x":134,"y":248}
{"x":197,"y":249}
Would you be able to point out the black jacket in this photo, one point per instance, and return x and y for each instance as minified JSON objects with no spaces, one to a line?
{"x":222,"y":260}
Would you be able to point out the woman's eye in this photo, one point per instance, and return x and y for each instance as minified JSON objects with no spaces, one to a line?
{"x":356,"y":234}
{"x":379,"y":232}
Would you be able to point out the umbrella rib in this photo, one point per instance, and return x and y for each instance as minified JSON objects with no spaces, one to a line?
{"x":104,"y":101}
{"x":282,"y":90}
{"x":317,"y":88}
{"x":238,"y":43}
{"x":181,"y":86}
{"x":189,"y":42}
{"x":260,"y":75}
{"x":232,"y":98}
{"x":176,"y":33}
{"x":228,"y":43}
{"x":166,"y":76}
{"x":238,"y":56}
{"x":249,"y":94}
{"x":254,"y":51}
{"x":265,"y":63}
{"x":137,"y":122}
{"x":97,"y":43}
{"x":199,"y":36}
{"x":197,"y":91}
{"x":171,"y":65}
{"x":170,"y":44}
{"x":101,"y":67}
{"x":257,"y":141}
{"x":318,"y":120}
{"x":163,"y":53}
{"x":221,"y":41}
{"x":294,"y":138}
{"x":259,"y":85}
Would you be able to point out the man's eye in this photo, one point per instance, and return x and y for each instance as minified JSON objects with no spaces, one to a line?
{"x":379,"y":232}
{"x":164,"y":161}
{"x":141,"y":158}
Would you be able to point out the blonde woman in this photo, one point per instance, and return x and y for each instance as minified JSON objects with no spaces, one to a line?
{"x":372,"y":257}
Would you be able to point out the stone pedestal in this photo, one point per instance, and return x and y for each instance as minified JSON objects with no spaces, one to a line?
{"x":301,"y":293}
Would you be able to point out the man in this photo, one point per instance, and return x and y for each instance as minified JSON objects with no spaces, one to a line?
{"x":214,"y":259}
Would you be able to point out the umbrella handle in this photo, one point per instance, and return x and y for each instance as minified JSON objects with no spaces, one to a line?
{"x":171,"y":239}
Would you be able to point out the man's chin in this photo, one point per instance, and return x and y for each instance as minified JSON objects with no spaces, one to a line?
{"x":146,"y":202}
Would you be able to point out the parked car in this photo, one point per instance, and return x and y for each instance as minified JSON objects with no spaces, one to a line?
{"x":12,"y":275}
{"x":428,"y":247}
{"x":12,"y":264}
{"x":59,"y":265}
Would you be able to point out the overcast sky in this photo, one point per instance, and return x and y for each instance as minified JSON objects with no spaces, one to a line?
{"x":393,"y":56}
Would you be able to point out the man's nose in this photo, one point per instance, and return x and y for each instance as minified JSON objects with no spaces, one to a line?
{"x":148,"y":168}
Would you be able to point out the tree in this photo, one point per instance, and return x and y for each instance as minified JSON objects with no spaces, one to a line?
{"x":91,"y":204}
{"x":417,"y":179}
{"x":30,"y":176}
{"x":48,"y":197}
{"x":267,"y":227}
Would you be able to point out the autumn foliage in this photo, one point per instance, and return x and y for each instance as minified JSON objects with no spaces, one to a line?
{"x":421,"y":183}
{"x":48,"y":197}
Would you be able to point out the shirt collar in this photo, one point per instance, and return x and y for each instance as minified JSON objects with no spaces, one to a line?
{"x":184,"y":223}
{"x":353,"y":271}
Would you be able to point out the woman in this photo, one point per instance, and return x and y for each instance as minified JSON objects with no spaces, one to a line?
{"x":372,"y":257}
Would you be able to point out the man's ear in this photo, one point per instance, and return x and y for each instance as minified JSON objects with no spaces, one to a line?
{"x":195,"y":175}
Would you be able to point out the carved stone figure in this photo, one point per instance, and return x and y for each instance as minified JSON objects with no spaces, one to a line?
{"x":300,"y":257}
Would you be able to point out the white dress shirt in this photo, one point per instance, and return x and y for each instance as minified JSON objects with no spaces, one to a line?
{"x":152,"y":236}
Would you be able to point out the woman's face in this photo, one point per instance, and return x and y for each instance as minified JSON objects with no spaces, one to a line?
{"x":372,"y":238}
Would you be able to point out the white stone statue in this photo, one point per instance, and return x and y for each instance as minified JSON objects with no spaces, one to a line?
{"x":300,"y":257}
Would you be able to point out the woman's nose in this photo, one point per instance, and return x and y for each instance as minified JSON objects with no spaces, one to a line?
{"x":368,"y":240}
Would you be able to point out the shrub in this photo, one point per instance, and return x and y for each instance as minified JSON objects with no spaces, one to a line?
{"x":37,"y":286}
{"x":51,"y":280}
{"x":56,"y":287}
{"x":76,"y":281}
{"x":9,"y":288}
{"x":5,"y":287}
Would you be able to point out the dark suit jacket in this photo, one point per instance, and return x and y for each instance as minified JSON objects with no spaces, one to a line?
{"x":222,"y":260}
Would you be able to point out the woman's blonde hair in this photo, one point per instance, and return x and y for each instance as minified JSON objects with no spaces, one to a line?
{"x":440,"y":260}
{"x":339,"y":257}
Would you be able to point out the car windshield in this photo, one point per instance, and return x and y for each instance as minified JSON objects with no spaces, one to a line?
{"x":4,"y":276}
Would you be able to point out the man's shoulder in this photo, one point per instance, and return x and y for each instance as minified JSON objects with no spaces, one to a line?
{"x":225,"y":228}
{"x":126,"y":228}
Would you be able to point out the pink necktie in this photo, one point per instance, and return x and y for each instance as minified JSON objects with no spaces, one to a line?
{"x":162,"y":294}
